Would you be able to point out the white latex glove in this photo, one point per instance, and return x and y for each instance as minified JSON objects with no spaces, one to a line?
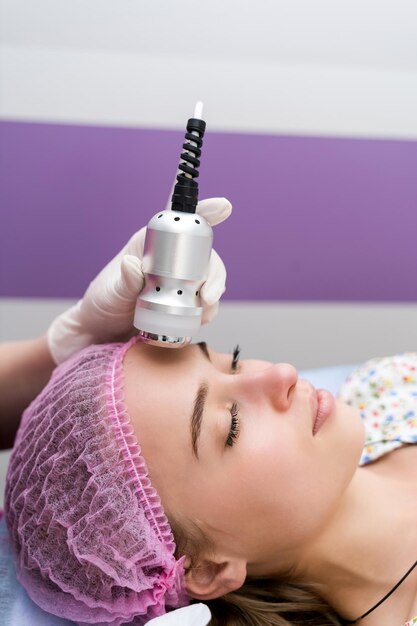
{"x":194,"y":615}
{"x":106,"y":311}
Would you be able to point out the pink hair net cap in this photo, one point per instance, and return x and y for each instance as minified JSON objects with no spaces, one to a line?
{"x":91,"y":541}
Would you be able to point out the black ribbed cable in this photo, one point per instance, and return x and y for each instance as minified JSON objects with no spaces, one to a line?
{"x":383,"y":599}
{"x":185,"y":195}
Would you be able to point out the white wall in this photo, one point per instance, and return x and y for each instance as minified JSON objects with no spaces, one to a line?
{"x":301,"y":67}
{"x":307,"y":335}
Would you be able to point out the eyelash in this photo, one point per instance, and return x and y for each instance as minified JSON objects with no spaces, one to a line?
{"x":234,"y":427}
{"x":234,"y":411}
{"x":235,"y":359}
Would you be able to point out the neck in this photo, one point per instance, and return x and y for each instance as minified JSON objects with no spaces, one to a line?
{"x":367,"y":546}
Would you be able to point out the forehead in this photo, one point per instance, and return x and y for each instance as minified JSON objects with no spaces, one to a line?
{"x":159,"y":391}
{"x":160,"y":384}
{"x":151,"y":373}
{"x":150,"y":354}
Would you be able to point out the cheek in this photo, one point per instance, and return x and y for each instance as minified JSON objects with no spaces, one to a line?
{"x":295,"y":480}
{"x":283,"y":470}
{"x":267,"y":473}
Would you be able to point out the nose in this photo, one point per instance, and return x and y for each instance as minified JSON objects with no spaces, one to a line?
{"x":272,"y":383}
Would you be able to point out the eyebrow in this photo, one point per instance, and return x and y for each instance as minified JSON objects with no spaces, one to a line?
{"x":199,"y":402}
{"x":197,"y":416}
{"x":200,"y":399}
{"x":203,"y":346}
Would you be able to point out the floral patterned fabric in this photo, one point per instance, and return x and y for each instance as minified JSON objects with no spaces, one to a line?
{"x":384,"y":390}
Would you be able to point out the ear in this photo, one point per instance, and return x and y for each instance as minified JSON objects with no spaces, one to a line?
{"x":211,"y":579}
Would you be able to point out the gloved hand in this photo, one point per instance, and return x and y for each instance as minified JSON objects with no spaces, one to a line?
{"x":193,"y":615}
{"x":106,"y":311}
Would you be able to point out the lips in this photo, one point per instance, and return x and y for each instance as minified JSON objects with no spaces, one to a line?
{"x":325,"y":404}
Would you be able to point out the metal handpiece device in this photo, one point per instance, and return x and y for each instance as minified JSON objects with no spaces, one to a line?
{"x":176,"y":256}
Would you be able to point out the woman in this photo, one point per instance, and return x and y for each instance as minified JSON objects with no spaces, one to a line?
{"x":262,"y":494}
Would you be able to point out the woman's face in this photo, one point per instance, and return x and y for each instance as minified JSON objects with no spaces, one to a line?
{"x":258,"y":482}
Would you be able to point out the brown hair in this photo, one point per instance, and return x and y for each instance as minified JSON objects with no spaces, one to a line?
{"x":260,"y":601}
{"x":272,"y":602}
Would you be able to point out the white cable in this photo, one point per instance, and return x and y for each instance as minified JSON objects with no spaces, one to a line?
{"x":198,"y":111}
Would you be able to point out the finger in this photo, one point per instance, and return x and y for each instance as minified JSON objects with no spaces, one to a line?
{"x":215,"y":284}
{"x":131,"y":280}
{"x":136,"y":244}
{"x":214,"y":210}
{"x":209,"y":313}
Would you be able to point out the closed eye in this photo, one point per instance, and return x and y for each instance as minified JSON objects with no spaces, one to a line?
{"x":234,"y":425}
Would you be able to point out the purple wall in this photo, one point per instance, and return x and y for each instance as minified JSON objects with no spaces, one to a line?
{"x":314,"y":218}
